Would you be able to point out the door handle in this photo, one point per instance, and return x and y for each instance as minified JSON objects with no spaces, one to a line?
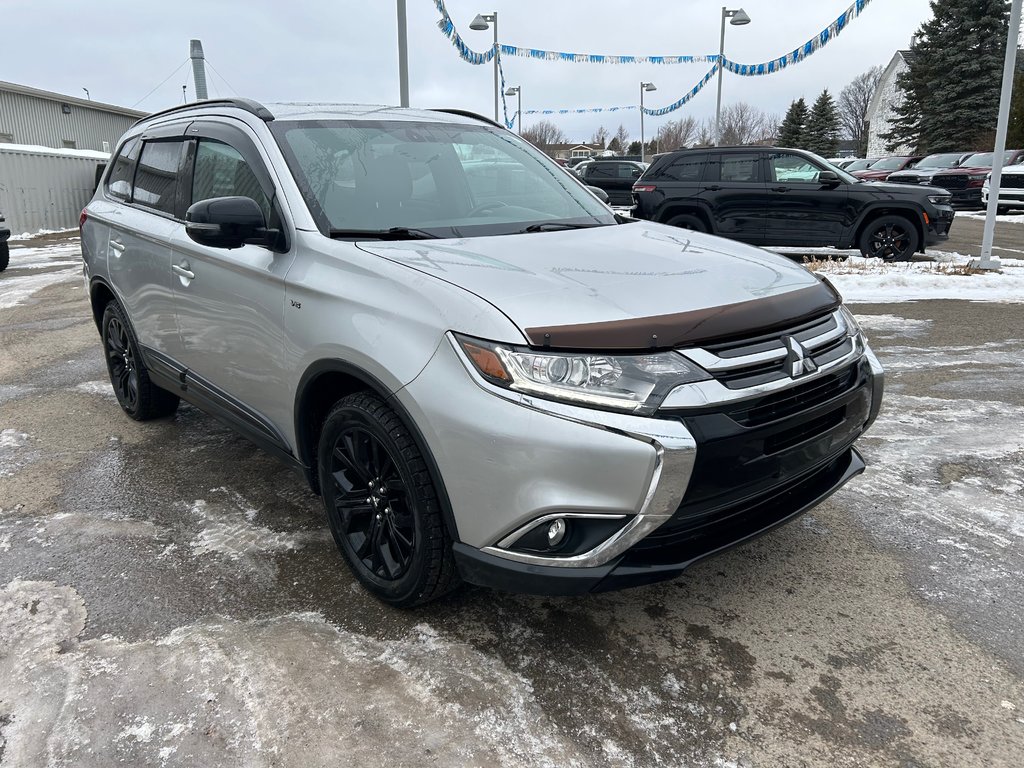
{"x":780,"y":189}
{"x":714,"y":188}
{"x":117,"y":245}
{"x":184,"y":271}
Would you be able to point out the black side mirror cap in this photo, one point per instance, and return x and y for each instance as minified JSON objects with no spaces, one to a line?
{"x":828,"y":177}
{"x":227,"y":222}
{"x":601,"y":194}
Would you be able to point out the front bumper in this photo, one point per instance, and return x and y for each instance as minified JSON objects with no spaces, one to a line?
{"x":938,"y":226}
{"x":1013,"y":198}
{"x":970,"y":197}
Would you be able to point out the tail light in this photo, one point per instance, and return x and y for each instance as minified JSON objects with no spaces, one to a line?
{"x":82,"y":217}
{"x":644,"y":187}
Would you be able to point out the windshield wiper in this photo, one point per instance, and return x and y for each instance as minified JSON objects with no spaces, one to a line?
{"x":394,"y":233}
{"x":554,"y":226}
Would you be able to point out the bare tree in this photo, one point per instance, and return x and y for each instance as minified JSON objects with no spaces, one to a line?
{"x":543,"y":134}
{"x":600,"y":137}
{"x":622,"y":135}
{"x":705,"y":134}
{"x":746,"y":124}
{"x":854,"y":100}
{"x":676,"y":134}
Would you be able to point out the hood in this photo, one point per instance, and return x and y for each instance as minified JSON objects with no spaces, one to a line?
{"x":923,"y":173}
{"x":584,"y":288}
{"x":869,"y":174}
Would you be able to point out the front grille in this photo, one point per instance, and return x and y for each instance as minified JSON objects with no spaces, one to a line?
{"x":754,"y":413}
{"x":913,"y":179}
{"x":1012,"y":181}
{"x":951,"y":181}
{"x":761,"y":359}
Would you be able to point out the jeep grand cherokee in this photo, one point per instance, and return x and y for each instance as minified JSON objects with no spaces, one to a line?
{"x":484,"y":372}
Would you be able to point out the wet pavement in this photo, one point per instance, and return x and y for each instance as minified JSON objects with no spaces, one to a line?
{"x":170,"y":595}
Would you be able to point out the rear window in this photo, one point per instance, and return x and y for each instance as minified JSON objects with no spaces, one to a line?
{"x":119,"y":184}
{"x":688,"y":167}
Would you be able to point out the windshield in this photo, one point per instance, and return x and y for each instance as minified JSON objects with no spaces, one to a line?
{"x":441,"y":179}
{"x":889,"y":164}
{"x":948,"y":160}
{"x":984,"y":159}
{"x":861,"y":165}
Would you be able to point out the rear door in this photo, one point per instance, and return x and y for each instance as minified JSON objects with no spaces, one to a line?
{"x":615,"y":178}
{"x":733,"y":188}
{"x":800,"y":209}
{"x":230,"y":303}
{"x":138,"y":249}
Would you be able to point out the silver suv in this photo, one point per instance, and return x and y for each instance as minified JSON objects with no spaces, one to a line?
{"x":486,"y":374}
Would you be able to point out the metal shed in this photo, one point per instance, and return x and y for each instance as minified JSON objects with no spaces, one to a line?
{"x":43,"y":188}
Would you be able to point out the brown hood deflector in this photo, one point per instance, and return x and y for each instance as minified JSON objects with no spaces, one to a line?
{"x":698,"y":326}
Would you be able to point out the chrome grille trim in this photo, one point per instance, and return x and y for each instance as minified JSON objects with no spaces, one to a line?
{"x":713,"y":364}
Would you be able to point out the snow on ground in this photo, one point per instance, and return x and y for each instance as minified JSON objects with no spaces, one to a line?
{"x":62,"y":263}
{"x":1010,"y":218}
{"x":872,"y":280}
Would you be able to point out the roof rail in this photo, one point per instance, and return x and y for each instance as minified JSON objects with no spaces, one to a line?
{"x":467,"y":113}
{"x":253,"y":107}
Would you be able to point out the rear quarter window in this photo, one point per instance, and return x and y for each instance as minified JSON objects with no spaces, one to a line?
{"x":683,"y":168}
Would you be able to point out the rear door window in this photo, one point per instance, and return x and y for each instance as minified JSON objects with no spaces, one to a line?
{"x":119,"y":184}
{"x":738,"y":167}
{"x":156,"y":178}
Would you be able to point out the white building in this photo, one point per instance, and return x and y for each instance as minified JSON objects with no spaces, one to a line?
{"x":882,"y":109}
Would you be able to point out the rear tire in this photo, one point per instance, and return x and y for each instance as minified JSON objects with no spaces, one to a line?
{"x":5,"y":255}
{"x":139,"y":397}
{"x":381,"y":504}
{"x":889,"y":238}
{"x":688,"y":221}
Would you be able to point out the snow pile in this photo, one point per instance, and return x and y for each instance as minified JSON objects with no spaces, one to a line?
{"x":1010,"y":218}
{"x":871,"y":280}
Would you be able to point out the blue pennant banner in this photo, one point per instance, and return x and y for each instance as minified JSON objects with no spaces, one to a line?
{"x":447,"y":27}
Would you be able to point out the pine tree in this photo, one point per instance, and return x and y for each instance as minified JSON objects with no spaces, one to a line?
{"x":951,"y":86}
{"x":791,"y":131}
{"x":822,"y":132}
{"x":1015,"y":138}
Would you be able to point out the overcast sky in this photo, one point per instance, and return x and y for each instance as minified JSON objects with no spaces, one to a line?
{"x":345,"y":50}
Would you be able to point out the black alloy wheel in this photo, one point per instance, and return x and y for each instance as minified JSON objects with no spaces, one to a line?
{"x":382,"y":505}
{"x":688,"y":221}
{"x":137,"y":395}
{"x":889,"y":238}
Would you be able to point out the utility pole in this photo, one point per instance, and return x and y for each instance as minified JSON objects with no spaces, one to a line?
{"x":403,"y":55}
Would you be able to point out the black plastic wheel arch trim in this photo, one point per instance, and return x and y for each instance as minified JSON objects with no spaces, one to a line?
{"x":375,"y":385}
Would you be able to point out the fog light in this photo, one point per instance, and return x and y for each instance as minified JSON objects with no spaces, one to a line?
{"x":556,"y":532}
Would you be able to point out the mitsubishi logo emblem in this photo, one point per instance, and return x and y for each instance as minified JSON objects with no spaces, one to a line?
{"x":798,"y":361}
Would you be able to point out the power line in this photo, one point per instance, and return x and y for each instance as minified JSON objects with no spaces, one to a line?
{"x":161,"y":83}
{"x":222,"y":78}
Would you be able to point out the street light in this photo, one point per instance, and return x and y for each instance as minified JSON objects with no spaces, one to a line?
{"x":516,"y":90}
{"x":643,"y":87}
{"x":737,"y":18}
{"x":87,"y":94}
{"x":480,"y":23}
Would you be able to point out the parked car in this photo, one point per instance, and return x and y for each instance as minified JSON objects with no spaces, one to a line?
{"x":616,"y":177}
{"x":505,"y":383}
{"x":5,"y":249}
{"x":923,"y":172}
{"x":842,"y":162}
{"x":1011,"y":188}
{"x":880,"y":170}
{"x":965,"y":182}
{"x":771,"y":196}
{"x":862,"y":164}
{"x":572,"y":162}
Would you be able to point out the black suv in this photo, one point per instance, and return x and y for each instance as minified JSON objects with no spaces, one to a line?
{"x":615,"y":176}
{"x":771,"y":196}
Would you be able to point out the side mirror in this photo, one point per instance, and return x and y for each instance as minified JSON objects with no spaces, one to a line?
{"x":226,"y":222}
{"x":829,"y":178}
{"x":600,"y":193}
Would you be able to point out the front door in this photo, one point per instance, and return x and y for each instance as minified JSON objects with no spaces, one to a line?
{"x":230,"y":303}
{"x":802,"y":210}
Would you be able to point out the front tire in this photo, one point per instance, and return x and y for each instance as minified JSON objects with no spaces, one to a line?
{"x":1002,"y":210}
{"x":889,"y":238}
{"x":381,"y":503}
{"x":139,"y":397}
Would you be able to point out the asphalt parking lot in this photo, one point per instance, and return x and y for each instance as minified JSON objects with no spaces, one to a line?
{"x":170,"y":596}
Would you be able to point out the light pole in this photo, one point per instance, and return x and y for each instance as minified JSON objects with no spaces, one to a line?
{"x":643,"y":87}
{"x":87,"y":94}
{"x":737,"y":18}
{"x":482,"y":22}
{"x":403,"y":55}
{"x":517,"y":91}
{"x":1002,"y":123}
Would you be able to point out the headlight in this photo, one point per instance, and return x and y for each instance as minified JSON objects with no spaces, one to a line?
{"x":940,"y":199}
{"x":852,"y":326}
{"x":633,"y":383}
